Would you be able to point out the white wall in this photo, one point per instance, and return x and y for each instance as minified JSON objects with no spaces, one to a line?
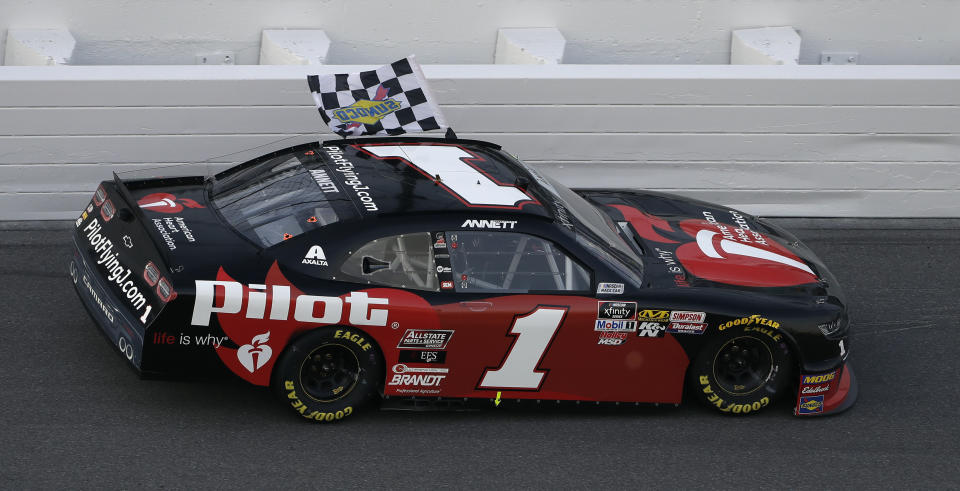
{"x":597,"y":31}
{"x":875,"y":141}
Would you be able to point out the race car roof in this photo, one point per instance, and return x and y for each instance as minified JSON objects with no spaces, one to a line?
{"x":409,"y":175}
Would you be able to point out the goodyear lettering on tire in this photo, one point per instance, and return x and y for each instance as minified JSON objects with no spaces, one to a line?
{"x":734,"y":408}
{"x":302,"y":408}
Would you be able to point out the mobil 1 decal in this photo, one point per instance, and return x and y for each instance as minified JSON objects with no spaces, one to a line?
{"x":714,"y":249}
{"x":457,"y":170}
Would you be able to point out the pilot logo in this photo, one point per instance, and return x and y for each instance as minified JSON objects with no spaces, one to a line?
{"x":367,"y":111}
{"x":315,"y":256}
{"x":166,"y":203}
{"x":255,"y":355}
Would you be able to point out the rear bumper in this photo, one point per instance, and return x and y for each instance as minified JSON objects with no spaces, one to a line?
{"x":123,"y":331}
{"x":826,"y":393}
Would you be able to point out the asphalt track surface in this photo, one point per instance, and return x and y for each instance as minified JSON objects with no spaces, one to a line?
{"x":72,"y":415}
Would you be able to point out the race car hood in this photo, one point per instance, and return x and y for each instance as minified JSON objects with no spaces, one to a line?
{"x":685,"y":242}
{"x":185,"y":226}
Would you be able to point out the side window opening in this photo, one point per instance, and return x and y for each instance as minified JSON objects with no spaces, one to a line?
{"x":512,"y":262}
{"x":400,"y":261}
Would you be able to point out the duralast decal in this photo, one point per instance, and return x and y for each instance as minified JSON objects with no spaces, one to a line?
{"x":686,"y":327}
{"x":363,"y":308}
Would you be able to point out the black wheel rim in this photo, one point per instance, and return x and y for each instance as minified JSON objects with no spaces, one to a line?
{"x":329,"y":372}
{"x":743,"y":365}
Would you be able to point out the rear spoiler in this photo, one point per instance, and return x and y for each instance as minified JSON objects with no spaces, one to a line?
{"x":137,"y":215}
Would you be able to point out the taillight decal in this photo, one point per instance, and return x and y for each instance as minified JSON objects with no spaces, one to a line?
{"x":107,"y":210}
{"x":165,"y":291}
{"x":151,"y":273}
{"x":99,"y":195}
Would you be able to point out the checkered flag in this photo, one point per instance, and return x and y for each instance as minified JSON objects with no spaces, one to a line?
{"x":390,"y":100}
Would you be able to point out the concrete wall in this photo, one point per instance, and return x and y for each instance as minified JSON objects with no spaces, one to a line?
{"x":878,"y":141}
{"x":597,"y":31}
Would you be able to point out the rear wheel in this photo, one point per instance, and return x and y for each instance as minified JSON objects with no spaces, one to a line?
{"x":326,"y":374}
{"x":741,"y":371}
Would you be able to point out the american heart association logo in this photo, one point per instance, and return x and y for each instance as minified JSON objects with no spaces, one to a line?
{"x":255,"y":355}
{"x":166,"y":203}
{"x":732,"y":259}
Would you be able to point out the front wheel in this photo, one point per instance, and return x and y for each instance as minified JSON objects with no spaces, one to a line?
{"x":742,"y":370}
{"x":326,"y":374}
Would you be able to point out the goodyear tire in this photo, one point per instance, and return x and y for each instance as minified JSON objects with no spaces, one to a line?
{"x":742,"y":370}
{"x":327,"y":374}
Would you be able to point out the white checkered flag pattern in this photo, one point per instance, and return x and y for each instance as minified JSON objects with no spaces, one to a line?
{"x":390,"y":100}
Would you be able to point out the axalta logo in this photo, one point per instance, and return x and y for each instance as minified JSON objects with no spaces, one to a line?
{"x":497,"y":224}
{"x":315,"y":257}
{"x":166,"y":203}
{"x":232,"y":293}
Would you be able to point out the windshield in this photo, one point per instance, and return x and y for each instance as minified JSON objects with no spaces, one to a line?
{"x":598,"y":223}
{"x":274,"y":201}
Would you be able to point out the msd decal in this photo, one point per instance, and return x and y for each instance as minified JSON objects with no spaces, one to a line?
{"x":166,"y":203}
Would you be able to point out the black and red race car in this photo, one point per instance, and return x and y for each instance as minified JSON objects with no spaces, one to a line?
{"x":342,"y":272}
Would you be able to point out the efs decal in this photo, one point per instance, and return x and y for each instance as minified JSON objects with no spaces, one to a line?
{"x":166,"y":203}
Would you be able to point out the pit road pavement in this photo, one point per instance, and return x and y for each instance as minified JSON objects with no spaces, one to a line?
{"x":74,"y":416}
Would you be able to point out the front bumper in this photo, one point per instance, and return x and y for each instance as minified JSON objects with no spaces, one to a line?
{"x":826,"y":393}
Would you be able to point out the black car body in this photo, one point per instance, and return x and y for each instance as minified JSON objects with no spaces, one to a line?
{"x":446,"y":268}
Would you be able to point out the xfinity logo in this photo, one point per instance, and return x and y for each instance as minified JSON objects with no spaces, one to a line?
{"x":498,"y":224}
{"x":233,"y":294}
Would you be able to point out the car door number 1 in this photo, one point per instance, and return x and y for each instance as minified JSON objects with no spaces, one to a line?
{"x":534,"y":332}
